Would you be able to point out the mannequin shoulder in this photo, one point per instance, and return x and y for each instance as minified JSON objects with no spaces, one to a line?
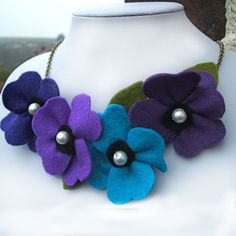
{"x":37,"y":64}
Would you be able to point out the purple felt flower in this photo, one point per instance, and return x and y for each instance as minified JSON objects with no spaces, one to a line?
{"x":62,"y":135}
{"x":23,"y":98}
{"x":184,"y":108}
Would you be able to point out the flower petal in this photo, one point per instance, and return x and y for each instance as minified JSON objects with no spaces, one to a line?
{"x":148,"y":146}
{"x":53,"y":115}
{"x":32,"y":144}
{"x":201,"y":134}
{"x":54,"y":162}
{"x":80,"y":166}
{"x":7,"y":121}
{"x":131,"y":183}
{"x":18,"y":130}
{"x":149,"y":114}
{"x":84,"y":122}
{"x":17,"y":95}
{"x":206,"y":100}
{"x":115,"y":126}
{"x":48,"y":89}
{"x":207,"y":80}
{"x":171,"y":88}
{"x":100,"y":169}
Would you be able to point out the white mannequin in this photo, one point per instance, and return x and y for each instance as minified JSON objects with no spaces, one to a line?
{"x":104,"y":52}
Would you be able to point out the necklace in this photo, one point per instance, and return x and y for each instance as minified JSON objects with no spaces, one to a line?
{"x":117,"y":149}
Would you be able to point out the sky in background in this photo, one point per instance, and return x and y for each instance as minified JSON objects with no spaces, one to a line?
{"x":40,"y":18}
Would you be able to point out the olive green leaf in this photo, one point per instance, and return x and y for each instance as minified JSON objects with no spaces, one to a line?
{"x":130,"y":95}
{"x":76,"y":186}
{"x":209,"y":67}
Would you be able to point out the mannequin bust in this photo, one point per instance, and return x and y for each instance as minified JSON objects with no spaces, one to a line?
{"x":106,"y":50}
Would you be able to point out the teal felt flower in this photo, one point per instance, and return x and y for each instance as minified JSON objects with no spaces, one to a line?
{"x":124,"y":157}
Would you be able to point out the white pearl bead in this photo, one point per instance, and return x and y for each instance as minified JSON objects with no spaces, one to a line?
{"x":179,"y":116}
{"x":33,"y":108}
{"x":62,"y":138}
{"x":120,"y":158}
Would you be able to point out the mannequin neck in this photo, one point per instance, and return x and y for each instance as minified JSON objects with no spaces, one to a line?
{"x":114,"y":50}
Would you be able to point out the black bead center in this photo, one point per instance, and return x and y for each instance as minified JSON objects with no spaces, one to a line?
{"x":171,"y":124}
{"x":120,"y":145}
{"x":68,"y":148}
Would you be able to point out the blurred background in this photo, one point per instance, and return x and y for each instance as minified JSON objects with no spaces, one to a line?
{"x":29,"y":28}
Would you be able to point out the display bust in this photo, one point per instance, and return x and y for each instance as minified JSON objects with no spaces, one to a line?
{"x":106,"y":50}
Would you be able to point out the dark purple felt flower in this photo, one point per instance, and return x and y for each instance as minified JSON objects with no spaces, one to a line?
{"x":62,"y":135}
{"x":184,"y":108}
{"x":23,"y":98}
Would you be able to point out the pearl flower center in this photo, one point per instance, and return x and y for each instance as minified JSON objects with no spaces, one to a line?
{"x":62,"y":137}
{"x":33,"y":108}
{"x":179,"y":116}
{"x":120,"y":158}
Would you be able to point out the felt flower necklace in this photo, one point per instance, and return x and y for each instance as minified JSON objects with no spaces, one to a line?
{"x":118,"y":149}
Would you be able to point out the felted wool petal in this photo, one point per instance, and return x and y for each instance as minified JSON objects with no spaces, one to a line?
{"x":17,"y":129}
{"x":17,"y":95}
{"x":84,"y":122}
{"x":148,"y":146}
{"x":80,"y":165}
{"x":207,"y":80}
{"x":149,"y":114}
{"x":171,"y":88}
{"x":54,"y":162}
{"x":48,"y":89}
{"x":207,"y":102}
{"x":201,"y":134}
{"x":6,"y":122}
{"x":32,"y":144}
{"x":208,"y":67}
{"x":131,"y":183}
{"x":100,"y":169}
{"x":54,"y":114}
{"x":115,"y":126}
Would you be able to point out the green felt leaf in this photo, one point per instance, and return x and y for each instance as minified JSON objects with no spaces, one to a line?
{"x":210,"y":67}
{"x":130,"y":95}
{"x":76,"y":186}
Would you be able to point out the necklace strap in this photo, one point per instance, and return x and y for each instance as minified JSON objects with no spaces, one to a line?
{"x":221,"y":54}
{"x":57,"y":44}
{"x":50,"y":59}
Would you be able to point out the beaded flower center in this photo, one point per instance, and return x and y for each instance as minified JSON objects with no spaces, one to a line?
{"x":178,"y":117}
{"x":34,"y":105}
{"x":120,"y":154}
{"x":65,"y":140}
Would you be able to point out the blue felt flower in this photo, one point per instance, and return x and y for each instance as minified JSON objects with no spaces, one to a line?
{"x":23,"y":98}
{"x":124,"y":157}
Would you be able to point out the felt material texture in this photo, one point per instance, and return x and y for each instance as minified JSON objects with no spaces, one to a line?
{"x":48,"y":121}
{"x":209,"y":67}
{"x":17,"y":96}
{"x":132,"y":182}
{"x":195,"y":90}
{"x":128,"y":96}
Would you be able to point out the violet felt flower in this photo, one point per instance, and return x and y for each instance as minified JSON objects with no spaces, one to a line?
{"x":62,"y":135}
{"x":124,"y":157}
{"x":23,"y":98}
{"x":184,"y":108}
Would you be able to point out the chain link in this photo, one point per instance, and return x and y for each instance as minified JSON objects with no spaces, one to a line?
{"x":221,"y":54}
{"x":50,"y":59}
